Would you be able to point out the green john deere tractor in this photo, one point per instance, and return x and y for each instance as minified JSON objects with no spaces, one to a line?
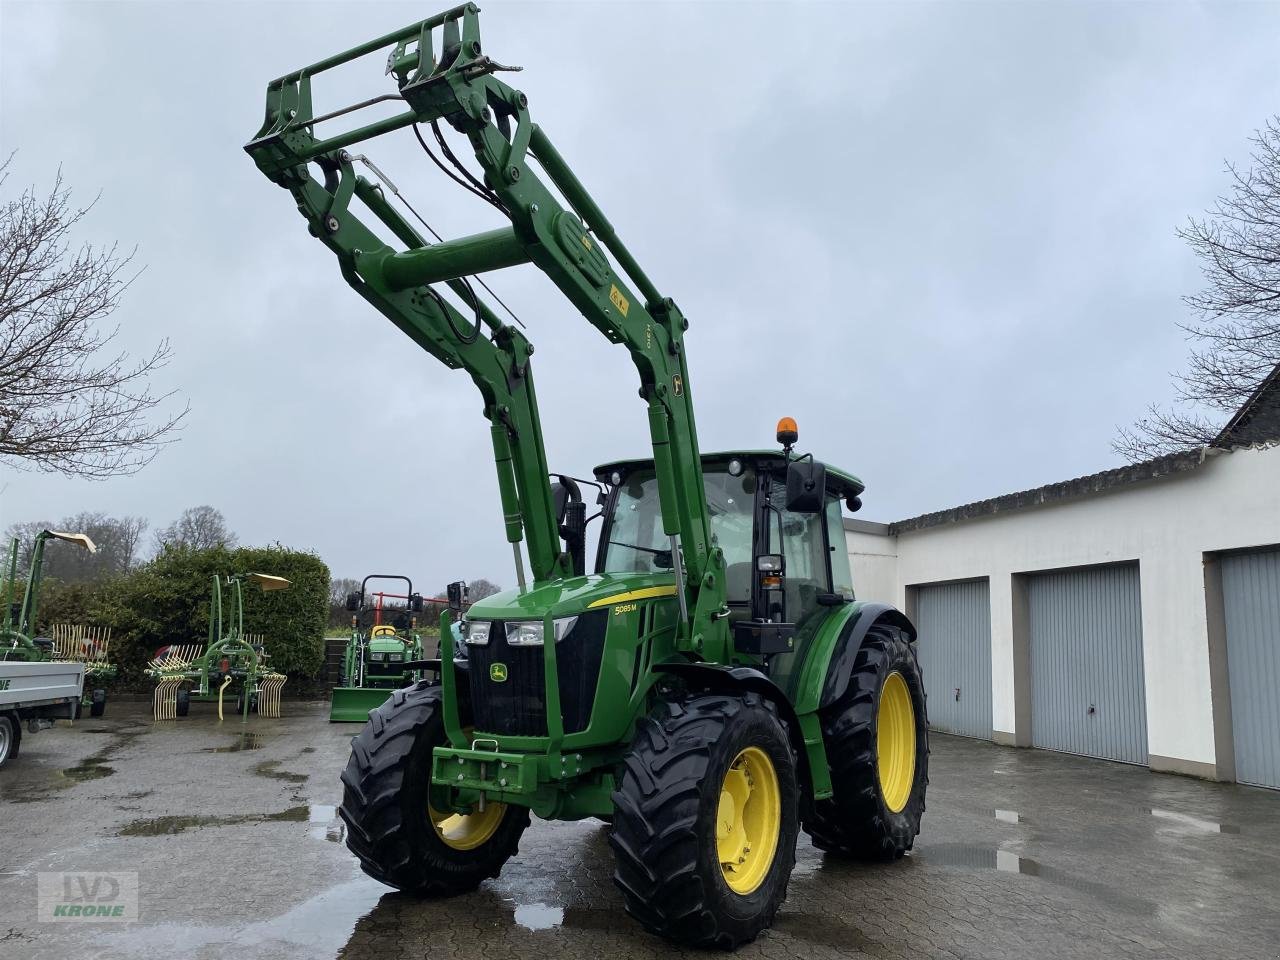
{"x":712,"y":687}
{"x":382,"y":652}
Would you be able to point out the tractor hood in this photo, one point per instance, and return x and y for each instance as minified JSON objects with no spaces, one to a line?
{"x":388,"y":643}
{"x":562,"y":598}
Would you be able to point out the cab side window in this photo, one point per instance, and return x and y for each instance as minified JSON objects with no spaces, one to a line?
{"x":804,"y":547}
{"x":841,"y":574}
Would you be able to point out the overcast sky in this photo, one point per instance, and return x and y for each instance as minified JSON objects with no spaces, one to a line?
{"x":940,"y":236}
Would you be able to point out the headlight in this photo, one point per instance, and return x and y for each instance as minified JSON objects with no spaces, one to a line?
{"x":377,"y":656}
{"x":528,"y":633}
{"x":395,"y":657}
{"x":477,"y":632}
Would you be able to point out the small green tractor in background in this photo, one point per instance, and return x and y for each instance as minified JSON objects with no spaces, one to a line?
{"x":711,"y":686}
{"x":386,"y":651}
{"x":17,"y":640}
{"x":230,"y":657}
{"x":384,"y":644}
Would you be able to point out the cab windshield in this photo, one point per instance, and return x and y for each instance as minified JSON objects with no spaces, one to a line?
{"x":637,"y":544}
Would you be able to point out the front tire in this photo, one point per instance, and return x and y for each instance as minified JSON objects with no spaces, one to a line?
{"x":399,"y":835}
{"x":877,"y":741}
{"x":705,"y":820}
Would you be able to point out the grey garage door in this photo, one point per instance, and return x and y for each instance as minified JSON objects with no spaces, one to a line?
{"x":954,"y":620}
{"x":1251,"y":602}
{"x":1085,"y":639}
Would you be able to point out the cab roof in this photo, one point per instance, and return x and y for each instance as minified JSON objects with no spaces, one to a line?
{"x":847,"y":484}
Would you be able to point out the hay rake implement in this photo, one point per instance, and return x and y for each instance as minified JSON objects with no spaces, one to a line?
{"x":231,"y":657}
{"x":90,"y":645}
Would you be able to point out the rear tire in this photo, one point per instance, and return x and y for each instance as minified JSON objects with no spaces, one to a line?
{"x":10,"y":737}
{"x":858,"y":821}
{"x":182,"y":705}
{"x":673,"y":827}
{"x":385,"y":805}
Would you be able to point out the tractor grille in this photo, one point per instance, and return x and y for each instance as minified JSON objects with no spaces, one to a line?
{"x":517,"y":705}
{"x":578,"y":659}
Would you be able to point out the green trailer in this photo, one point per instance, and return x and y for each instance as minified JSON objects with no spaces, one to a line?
{"x":384,"y":651}
{"x":710,"y":686}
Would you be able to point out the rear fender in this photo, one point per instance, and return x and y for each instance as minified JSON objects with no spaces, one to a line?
{"x":829,"y":663}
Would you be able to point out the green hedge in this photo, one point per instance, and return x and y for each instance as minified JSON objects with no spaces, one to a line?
{"x":166,"y":601}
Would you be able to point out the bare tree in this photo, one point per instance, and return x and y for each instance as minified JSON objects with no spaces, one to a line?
{"x":1235,"y":334}
{"x":339,"y":587}
{"x":116,"y":539}
{"x":479,"y":589}
{"x":69,"y":402}
{"x":25,"y":534}
{"x":199,"y":528}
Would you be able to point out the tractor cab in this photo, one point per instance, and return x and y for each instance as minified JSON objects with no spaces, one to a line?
{"x":784,"y":546}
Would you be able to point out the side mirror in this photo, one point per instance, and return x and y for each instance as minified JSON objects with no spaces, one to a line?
{"x":415,"y":602}
{"x":353,"y":601}
{"x":806,"y":486}
{"x":457,"y":593}
{"x":563,"y":491}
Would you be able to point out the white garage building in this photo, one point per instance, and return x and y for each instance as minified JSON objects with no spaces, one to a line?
{"x":1132,"y":615}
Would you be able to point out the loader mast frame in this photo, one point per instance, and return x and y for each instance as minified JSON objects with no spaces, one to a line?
{"x":554,"y":224}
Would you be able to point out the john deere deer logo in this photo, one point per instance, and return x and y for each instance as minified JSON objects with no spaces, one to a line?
{"x":498,"y":672}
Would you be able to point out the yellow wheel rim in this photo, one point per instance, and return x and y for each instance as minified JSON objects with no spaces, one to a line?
{"x":748,"y":819}
{"x":466,"y":831}
{"x":895,"y":742}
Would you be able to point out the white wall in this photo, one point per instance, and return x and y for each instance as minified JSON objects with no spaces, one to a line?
{"x":1231,"y":501}
{"x":873,"y":559}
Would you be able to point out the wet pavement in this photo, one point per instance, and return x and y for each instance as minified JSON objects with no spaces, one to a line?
{"x":232,"y":830}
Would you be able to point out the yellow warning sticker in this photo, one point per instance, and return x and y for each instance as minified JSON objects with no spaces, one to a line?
{"x":619,"y":300}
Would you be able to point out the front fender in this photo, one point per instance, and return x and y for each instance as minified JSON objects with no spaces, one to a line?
{"x":829,"y":662}
{"x":736,"y":679}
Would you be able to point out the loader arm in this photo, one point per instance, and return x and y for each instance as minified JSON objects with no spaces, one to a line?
{"x":554,"y":224}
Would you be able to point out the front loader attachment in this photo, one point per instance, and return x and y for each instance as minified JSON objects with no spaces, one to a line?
{"x":352,"y":704}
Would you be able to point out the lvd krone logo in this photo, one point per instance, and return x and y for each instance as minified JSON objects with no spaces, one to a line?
{"x":88,"y":896}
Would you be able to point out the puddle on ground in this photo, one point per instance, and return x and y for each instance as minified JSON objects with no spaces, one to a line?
{"x":246,"y":741}
{"x":1004,"y":861}
{"x":325,"y":824}
{"x":94,"y":766}
{"x":308,"y":749}
{"x":270,"y":770}
{"x":539,"y":916}
{"x":1186,"y":820}
{"x":167,"y":826}
{"x":1009,"y":816}
{"x":89,"y":769}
